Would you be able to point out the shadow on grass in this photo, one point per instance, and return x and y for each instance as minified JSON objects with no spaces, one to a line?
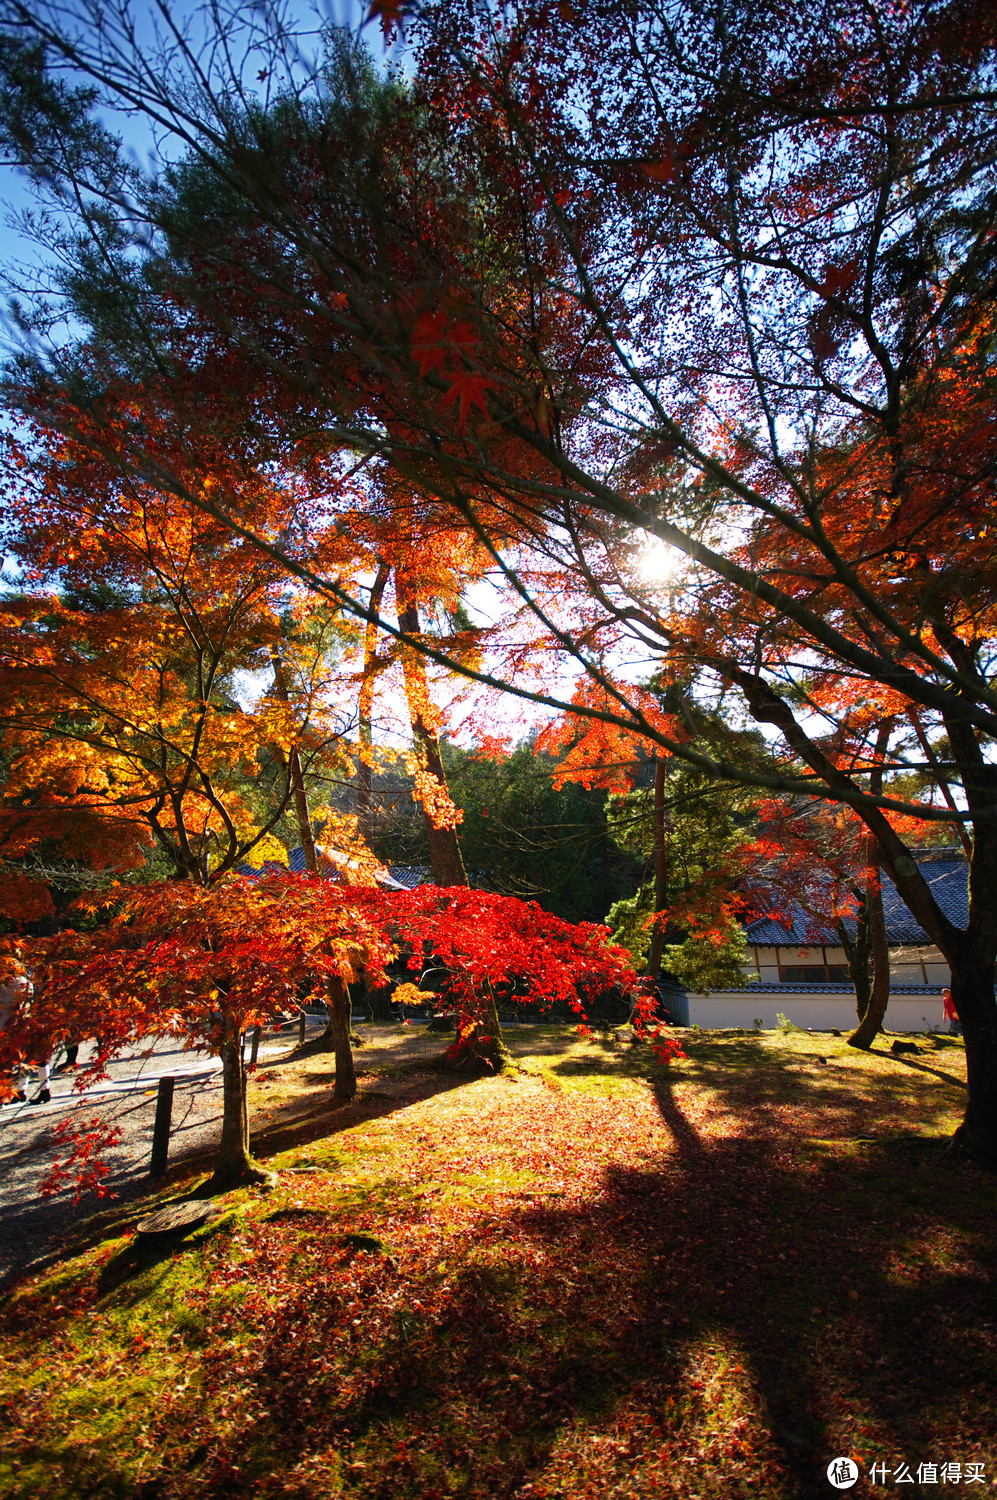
{"x":908,"y":1062}
{"x":729,"y":1317}
{"x":725,"y":1318}
{"x":295,"y":1124}
{"x":298,"y":1123}
{"x":139,"y":1258}
{"x":750,"y":1078}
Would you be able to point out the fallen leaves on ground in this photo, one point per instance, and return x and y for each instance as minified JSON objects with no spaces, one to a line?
{"x":602,"y":1277}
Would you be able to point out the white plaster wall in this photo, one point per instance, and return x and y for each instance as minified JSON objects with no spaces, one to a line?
{"x":815,"y":1012}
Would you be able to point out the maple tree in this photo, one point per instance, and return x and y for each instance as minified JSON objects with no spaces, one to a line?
{"x":206,"y":963}
{"x":617,"y":276}
{"x":53,"y":834}
{"x":118,"y":686}
{"x":209,"y":963}
{"x":491,"y":945}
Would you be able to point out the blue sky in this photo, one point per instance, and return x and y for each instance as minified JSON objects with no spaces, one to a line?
{"x":16,"y":196}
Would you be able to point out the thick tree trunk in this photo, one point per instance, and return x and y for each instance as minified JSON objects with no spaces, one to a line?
{"x":973,"y":998}
{"x":495,"y":1048}
{"x":444,"y":848}
{"x":301,"y":813}
{"x":871,"y":1023}
{"x":485,"y":1044}
{"x":233,"y":1162}
{"x":325,"y":1042}
{"x":338,"y":1001}
{"x":857,"y":953}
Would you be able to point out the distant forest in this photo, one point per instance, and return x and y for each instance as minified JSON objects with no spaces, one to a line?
{"x":520,"y":835}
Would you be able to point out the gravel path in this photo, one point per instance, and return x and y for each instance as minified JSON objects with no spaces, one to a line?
{"x":31,"y":1224}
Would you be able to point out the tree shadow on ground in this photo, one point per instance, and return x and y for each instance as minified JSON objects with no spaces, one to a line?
{"x":725,"y":1320}
{"x":817,"y":1265}
{"x":718,"y":1322}
{"x":295,"y":1123}
{"x":298,"y":1122}
{"x":755,"y":1083}
{"x":916,"y":1067}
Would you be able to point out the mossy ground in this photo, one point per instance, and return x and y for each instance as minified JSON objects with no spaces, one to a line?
{"x":602,"y":1276}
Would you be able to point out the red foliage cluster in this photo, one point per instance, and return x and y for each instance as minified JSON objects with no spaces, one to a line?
{"x":206,"y":963}
{"x":85,"y":1168}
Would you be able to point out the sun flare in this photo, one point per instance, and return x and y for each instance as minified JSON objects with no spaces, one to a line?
{"x":658,"y":563}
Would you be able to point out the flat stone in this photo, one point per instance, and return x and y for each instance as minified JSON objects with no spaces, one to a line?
{"x":179,"y":1218}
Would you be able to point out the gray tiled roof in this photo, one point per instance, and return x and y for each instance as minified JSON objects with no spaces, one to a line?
{"x":268,"y":867}
{"x":949,"y":882}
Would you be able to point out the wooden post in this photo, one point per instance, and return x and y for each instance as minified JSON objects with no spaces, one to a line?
{"x":161,"y":1129}
{"x":257,"y":1033}
{"x":301,"y":1030}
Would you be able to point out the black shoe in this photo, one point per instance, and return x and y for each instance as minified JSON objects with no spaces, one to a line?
{"x":43,"y":1097}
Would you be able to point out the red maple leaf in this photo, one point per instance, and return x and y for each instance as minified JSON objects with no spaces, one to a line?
{"x":429,"y":338}
{"x":469,"y":387}
{"x":390,"y":13}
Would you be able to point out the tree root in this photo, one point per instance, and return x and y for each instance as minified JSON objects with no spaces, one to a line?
{"x":972,"y":1144}
{"x":248,"y":1173}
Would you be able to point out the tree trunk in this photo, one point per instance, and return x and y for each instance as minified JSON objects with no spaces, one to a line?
{"x":365,"y":726}
{"x":495,"y":1048}
{"x":301,"y":813}
{"x":325,"y":1042}
{"x":444,"y":849}
{"x":857,"y":953}
{"x":485,"y":1043}
{"x":233,"y":1163}
{"x":338,"y":1001}
{"x":871,"y":1023}
{"x":295,"y":773}
{"x":973,"y":999}
{"x":660,"y":867}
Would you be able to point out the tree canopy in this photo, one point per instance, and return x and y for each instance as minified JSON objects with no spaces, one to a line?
{"x":716,"y":276}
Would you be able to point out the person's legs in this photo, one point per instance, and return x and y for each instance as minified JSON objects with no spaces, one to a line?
{"x":42,"y":1072}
